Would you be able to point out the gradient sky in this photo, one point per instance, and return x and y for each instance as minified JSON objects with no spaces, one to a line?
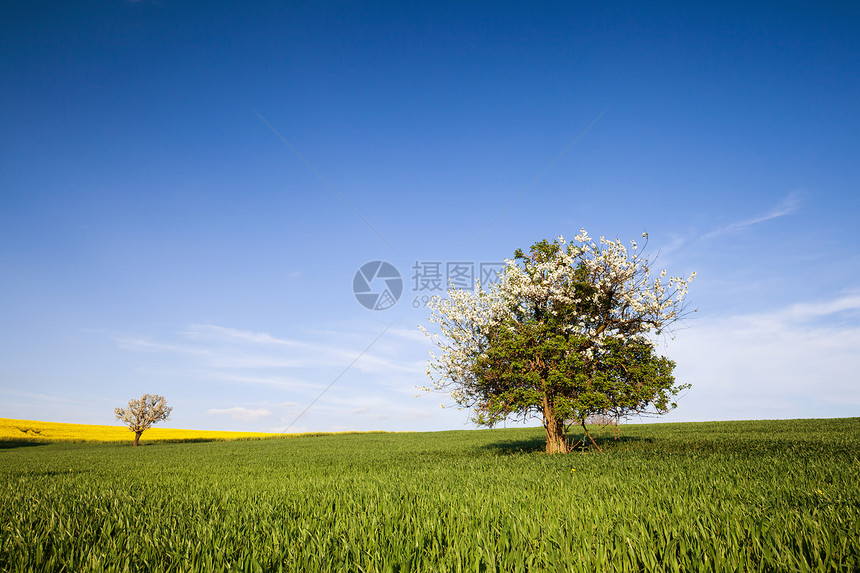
{"x":187,"y":190}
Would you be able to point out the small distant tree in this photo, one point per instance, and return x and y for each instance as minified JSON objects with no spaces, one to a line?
{"x":142,"y":414}
{"x":566,"y":334}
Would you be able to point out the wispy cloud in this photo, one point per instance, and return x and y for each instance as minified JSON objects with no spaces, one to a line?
{"x":224,"y":347}
{"x":312,"y":353}
{"x":676,"y":243}
{"x":285,"y":382}
{"x":220,"y":357}
{"x":40,"y":398}
{"x":787,"y":206}
{"x":413,"y":334}
{"x":336,"y":378}
{"x":249,"y":357}
{"x":811,"y":310}
{"x":143,"y":345}
{"x":240,"y":413}
{"x":202,"y":331}
{"x":337,"y":375}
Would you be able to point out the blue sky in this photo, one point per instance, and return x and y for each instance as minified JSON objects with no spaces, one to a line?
{"x":188,"y":189}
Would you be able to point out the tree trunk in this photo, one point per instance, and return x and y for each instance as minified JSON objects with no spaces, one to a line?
{"x":555,"y":435}
{"x":555,"y":438}
{"x":137,"y":438}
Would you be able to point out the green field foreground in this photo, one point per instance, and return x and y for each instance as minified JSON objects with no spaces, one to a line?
{"x":719,"y":496}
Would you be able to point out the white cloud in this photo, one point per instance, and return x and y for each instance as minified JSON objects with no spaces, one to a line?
{"x":799,"y":361}
{"x":358,"y":358}
{"x":228,"y":348}
{"x":848,"y":302}
{"x":273,"y":352}
{"x":203,"y":331}
{"x":676,"y":242}
{"x":413,"y":334}
{"x":240,"y":413}
{"x":256,"y":379}
{"x":143,"y":345}
{"x":788,"y":205}
{"x":223,"y":354}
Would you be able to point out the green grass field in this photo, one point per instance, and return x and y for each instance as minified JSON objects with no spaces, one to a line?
{"x":722,"y":496}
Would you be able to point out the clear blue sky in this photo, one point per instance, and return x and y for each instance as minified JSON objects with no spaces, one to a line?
{"x":159,"y":231}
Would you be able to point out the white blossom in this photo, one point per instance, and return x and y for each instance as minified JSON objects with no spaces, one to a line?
{"x":638,"y":305}
{"x":143,"y":413}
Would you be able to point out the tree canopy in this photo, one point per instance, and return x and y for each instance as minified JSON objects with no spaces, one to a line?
{"x":143,"y":413}
{"x":568,"y":332}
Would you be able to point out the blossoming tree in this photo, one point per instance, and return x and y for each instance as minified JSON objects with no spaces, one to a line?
{"x":566,"y":333}
{"x":142,"y":414}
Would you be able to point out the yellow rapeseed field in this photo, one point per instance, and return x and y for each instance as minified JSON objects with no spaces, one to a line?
{"x":54,"y":431}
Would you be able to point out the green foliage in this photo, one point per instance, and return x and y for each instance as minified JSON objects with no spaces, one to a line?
{"x":571,"y":346}
{"x":721,"y":496}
